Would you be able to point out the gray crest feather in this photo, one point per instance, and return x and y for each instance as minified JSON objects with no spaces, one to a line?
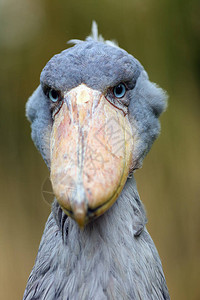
{"x":94,"y":36}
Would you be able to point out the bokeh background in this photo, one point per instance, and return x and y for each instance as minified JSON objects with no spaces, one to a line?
{"x":165,"y":37}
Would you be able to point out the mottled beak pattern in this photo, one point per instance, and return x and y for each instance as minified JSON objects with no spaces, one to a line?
{"x":91,"y":153}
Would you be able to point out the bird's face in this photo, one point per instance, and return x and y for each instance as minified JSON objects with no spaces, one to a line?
{"x":90,"y":126}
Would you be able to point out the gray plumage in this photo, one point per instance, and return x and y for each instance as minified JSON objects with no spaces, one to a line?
{"x":114,"y":256}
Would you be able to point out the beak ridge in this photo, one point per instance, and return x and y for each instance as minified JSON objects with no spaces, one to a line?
{"x":87,"y":173}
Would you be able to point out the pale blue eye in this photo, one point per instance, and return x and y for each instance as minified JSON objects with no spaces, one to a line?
{"x":119,"y":90}
{"x":53,"y":95}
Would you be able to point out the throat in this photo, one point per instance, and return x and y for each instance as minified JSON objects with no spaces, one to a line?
{"x":112,"y":258}
{"x":98,"y":249}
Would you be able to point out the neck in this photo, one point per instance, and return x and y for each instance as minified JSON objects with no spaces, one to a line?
{"x":112,"y":258}
{"x":127,"y":215}
{"x":105,"y":245}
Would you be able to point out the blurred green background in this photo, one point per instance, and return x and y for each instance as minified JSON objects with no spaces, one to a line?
{"x":165,"y":36}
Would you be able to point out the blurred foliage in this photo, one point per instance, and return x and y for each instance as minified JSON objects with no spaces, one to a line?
{"x":165,"y":37}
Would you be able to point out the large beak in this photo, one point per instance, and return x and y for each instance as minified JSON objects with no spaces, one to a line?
{"x":91,"y":151}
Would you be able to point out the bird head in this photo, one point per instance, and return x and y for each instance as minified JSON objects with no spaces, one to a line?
{"x":94,"y":118}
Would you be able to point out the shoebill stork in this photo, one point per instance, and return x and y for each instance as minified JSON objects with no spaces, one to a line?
{"x":94,"y":117}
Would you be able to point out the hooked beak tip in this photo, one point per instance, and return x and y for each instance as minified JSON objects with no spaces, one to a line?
{"x":80,"y":214}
